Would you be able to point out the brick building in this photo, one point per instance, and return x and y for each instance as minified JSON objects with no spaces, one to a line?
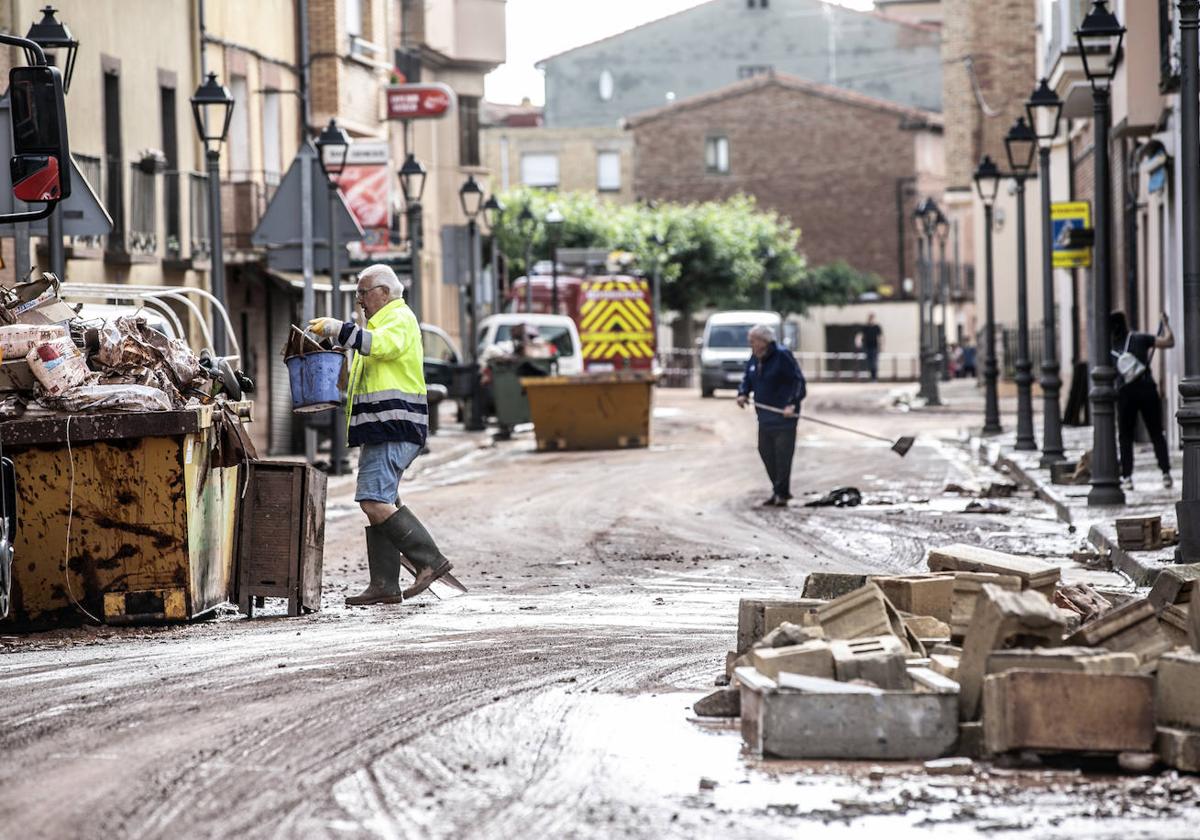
{"x":842,"y":166}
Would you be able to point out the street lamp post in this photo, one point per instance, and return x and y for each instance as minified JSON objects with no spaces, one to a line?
{"x":1099,"y":38}
{"x":471,"y":198}
{"x":768,"y":260}
{"x":987,"y":184}
{"x":1046,"y":102}
{"x":526,"y":222}
{"x":554,"y":225}
{"x":1020,"y":144}
{"x":212,"y":109}
{"x":922,"y":282}
{"x":943,"y":232}
{"x":493,"y":210}
{"x":60,"y":49}
{"x":1188,"y":507}
{"x":412,"y":184}
{"x":928,"y":215}
{"x":333,"y":145}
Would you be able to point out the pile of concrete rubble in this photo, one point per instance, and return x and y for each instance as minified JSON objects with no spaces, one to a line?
{"x":987,"y":654}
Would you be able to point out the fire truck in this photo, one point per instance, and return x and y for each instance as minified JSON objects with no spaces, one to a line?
{"x":612,"y":310}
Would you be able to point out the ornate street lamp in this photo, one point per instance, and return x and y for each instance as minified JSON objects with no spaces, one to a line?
{"x":470,"y":196}
{"x":1045,"y":102}
{"x":212,"y":109}
{"x":527,"y":223}
{"x":554,"y":226}
{"x":493,"y":211}
{"x":1019,"y":145}
{"x":333,"y":147}
{"x":1188,"y":508}
{"x":412,"y":185}
{"x":1099,"y":38}
{"x":987,"y":184}
{"x":926,"y":218}
{"x":942,"y":231}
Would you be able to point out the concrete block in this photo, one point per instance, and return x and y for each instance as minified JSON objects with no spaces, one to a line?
{"x":829,"y":585}
{"x":1174,"y":585}
{"x":1177,"y":690}
{"x":919,"y":595}
{"x":1002,"y":619}
{"x":879,"y":660}
{"x":927,"y":679}
{"x":832,"y":720}
{"x":944,"y":664}
{"x":967,"y":586}
{"x":811,"y":658}
{"x":758,"y":616}
{"x":1179,"y":748}
{"x":1033,"y":572}
{"x":1079,"y":659}
{"x":970,"y":739}
{"x":724,"y":702}
{"x":1139,"y":533}
{"x":790,"y":634}
{"x":1130,"y":628}
{"x":1061,"y":711}
{"x":861,"y":613}
{"x":926,"y":628}
{"x":1175,"y":625}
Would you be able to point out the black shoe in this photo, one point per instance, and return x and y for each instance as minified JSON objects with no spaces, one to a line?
{"x":772,"y":502}
{"x":781,"y":501}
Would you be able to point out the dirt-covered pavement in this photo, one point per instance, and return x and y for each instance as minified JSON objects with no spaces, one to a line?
{"x":554,"y":699}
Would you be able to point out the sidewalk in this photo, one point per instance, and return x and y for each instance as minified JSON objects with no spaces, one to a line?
{"x":1148,"y":498}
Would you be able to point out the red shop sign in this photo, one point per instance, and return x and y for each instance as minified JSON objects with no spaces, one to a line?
{"x":417,"y":102}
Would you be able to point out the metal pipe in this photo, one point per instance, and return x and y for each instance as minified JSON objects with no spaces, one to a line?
{"x":475,"y":404}
{"x":1052,"y":443}
{"x":338,"y":435}
{"x":991,"y":371}
{"x":218,"y":253}
{"x":922,"y":340}
{"x":1024,"y":367}
{"x":944,"y":291}
{"x":414,"y":238}
{"x":1188,"y":508}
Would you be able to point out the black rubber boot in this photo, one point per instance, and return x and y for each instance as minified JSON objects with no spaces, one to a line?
{"x":384,"y":587}
{"x":407,"y":534}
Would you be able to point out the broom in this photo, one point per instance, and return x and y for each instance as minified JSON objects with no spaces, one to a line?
{"x":900,"y":446}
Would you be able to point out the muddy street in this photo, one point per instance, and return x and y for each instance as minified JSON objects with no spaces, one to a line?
{"x":554,"y":700}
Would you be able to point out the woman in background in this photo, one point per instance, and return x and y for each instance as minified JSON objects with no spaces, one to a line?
{"x":1137,"y":392}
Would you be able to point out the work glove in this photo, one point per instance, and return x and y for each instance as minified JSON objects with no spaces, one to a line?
{"x":327,"y":327}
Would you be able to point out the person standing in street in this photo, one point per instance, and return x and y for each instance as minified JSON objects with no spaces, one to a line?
{"x":388,"y":417}
{"x":869,"y":340}
{"x":1137,"y":392}
{"x":774,"y":378}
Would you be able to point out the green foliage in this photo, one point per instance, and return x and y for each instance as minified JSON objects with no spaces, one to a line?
{"x":714,"y":254}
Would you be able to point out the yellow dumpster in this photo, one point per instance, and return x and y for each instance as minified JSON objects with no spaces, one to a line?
{"x":591,"y":411}
{"x":121,"y":516}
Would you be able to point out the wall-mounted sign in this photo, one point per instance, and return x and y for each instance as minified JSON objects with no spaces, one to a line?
{"x":1065,"y":216}
{"x":366,"y":183}
{"x":419,"y":102}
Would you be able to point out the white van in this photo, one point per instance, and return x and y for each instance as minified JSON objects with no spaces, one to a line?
{"x":725,"y":347}
{"x":558,"y":330}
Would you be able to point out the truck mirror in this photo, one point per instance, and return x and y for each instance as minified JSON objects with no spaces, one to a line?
{"x":41,"y":163}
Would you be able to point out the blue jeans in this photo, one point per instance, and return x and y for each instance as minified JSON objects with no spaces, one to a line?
{"x":380,"y":466}
{"x":872,"y":361}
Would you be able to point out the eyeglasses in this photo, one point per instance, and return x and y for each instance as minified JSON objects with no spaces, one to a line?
{"x":362,"y":293}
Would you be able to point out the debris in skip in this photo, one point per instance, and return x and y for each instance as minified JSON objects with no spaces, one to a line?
{"x":987,"y":653}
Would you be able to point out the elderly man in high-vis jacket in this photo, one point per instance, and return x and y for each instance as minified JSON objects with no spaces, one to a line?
{"x":388,"y":418}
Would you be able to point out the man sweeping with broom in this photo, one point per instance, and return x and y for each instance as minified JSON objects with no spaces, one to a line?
{"x":775,"y":379}
{"x":389,"y":418}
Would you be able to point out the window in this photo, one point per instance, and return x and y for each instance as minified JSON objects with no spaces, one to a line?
{"x":607,"y":85}
{"x":608,"y":171}
{"x":198,"y":213}
{"x":143,"y":215}
{"x":540,"y":169}
{"x":239,"y":130}
{"x":272,"y":156}
{"x":170,"y":147}
{"x":354,"y":18}
{"x":468,"y":130}
{"x":114,"y":193}
{"x":749,"y":71}
{"x":716,"y":155}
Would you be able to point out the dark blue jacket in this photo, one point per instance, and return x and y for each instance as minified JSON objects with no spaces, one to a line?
{"x":776,"y":381}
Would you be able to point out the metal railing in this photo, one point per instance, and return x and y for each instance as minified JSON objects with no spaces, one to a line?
{"x":681,"y":368}
{"x":143,"y":212}
{"x":201,"y":241}
{"x":92,"y":169}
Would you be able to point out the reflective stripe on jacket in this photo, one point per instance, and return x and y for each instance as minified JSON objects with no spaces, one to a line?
{"x":387,"y":399}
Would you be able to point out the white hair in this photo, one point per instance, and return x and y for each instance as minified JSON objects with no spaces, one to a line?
{"x":382,"y":275}
{"x":762,"y":331}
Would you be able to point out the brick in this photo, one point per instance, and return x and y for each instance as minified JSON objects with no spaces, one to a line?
{"x":879,"y":660}
{"x":1080,"y":659}
{"x":1062,"y":711}
{"x":1131,"y":628}
{"x":1177,"y":690}
{"x":1001,"y":619}
{"x":829,"y":585}
{"x":757,"y":617}
{"x":1034,"y":573}
{"x":1179,"y":748}
{"x":811,"y":658}
{"x":1174,"y":585}
{"x":967,"y":586}
{"x":919,"y":594}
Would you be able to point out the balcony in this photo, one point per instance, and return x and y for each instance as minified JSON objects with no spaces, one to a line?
{"x":1064,"y":65}
{"x":243,"y":203}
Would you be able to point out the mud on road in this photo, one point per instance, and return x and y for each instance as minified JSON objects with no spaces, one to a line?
{"x":554,"y":699}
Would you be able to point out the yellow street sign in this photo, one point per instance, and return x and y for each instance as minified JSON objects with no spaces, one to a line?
{"x":1065,"y":215}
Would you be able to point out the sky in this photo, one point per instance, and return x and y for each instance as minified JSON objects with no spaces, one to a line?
{"x":538,"y":29}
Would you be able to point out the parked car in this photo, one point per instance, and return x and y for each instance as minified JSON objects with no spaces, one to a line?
{"x":558,"y":330}
{"x":725,"y":347}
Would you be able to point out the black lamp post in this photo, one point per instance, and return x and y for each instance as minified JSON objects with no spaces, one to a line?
{"x":1019,"y":145}
{"x":333,"y":145}
{"x":412,"y":184}
{"x":212,"y":109}
{"x":554,"y":225}
{"x":60,"y":49}
{"x":926,"y":217}
{"x":493,"y":210}
{"x":471,"y":198}
{"x":1099,"y":38}
{"x":919,"y":229}
{"x":987,"y":184}
{"x":1188,"y":508}
{"x":528,"y":224}
{"x":1044,"y":101}
{"x":942,"y":229}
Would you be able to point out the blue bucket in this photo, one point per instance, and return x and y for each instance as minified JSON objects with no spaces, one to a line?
{"x":314,"y":380}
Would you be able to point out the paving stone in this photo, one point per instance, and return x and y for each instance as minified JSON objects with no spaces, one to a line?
{"x":944,"y":664}
{"x":1174,"y":585}
{"x":1002,"y":619}
{"x":830,"y":585}
{"x":1131,"y":628}
{"x":859,"y":614}
{"x":1081,"y":659}
{"x":1064,"y":711}
{"x":926,"y":628}
{"x":724,"y":702}
{"x":1177,"y":690}
{"x":966,"y":592}
{"x":879,"y":660}
{"x":1179,"y":748}
{"x":758,"y":616}
{"x":919,"y":595}
{"x":1033,"y":572}
{"x":927,"y":679}
{"x":811,"y":658}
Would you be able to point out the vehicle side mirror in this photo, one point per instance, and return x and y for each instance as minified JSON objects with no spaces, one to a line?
{"x":41,"y":162}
